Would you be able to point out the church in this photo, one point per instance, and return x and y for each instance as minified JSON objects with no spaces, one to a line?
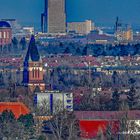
{"x":33,"y":68}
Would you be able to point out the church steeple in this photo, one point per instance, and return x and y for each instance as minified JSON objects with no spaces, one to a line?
{"x":32,"y":52}
{"x":33,"y":68}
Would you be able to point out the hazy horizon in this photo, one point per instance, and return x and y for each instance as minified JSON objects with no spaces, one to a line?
{"x":102,"y":12}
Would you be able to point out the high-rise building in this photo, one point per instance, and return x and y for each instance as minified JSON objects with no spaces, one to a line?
{"x":80,"y":27}
{"x":33,"y":68}
{"x":44,"y":18}
{"x":56,"y":16}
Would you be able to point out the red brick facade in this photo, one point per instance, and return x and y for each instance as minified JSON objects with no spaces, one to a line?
{"x":36,"y":76}
{"x":5,"y":36}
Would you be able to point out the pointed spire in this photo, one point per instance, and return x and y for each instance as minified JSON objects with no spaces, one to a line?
{"x":32,"y":53}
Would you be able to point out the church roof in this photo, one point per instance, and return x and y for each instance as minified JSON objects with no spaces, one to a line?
{"x":4,"y":24}
{"x":32,"y":53}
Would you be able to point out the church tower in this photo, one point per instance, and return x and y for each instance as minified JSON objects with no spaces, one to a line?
{"x":33,"y":68}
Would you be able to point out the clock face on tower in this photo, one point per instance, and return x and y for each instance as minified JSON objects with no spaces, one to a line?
{"x":36,"y":65}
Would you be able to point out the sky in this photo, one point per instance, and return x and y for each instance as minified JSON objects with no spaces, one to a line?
{"x":100,"y":11}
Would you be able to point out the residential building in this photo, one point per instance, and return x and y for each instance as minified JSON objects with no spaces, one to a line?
{"x":124,"y":33}
{"x":54,"y":100}
{"x":93,"y":123}
{"x":80,"y":27}
{"x":16,"y":27}
{"x":28,"y":30}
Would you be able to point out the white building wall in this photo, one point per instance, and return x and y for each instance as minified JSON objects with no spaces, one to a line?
{"x":59,"y":101}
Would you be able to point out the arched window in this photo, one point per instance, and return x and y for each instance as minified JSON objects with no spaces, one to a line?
{"x":7,"y":34}
{"x":4,"y":34}
{"x":0,"y":34}
{"x":33,"y":71}
{"x":38,"y":73}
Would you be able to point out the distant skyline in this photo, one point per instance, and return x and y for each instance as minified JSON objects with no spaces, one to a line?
{"x":100,"y":11}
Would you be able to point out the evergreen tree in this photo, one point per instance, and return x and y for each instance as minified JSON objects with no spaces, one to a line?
{"x":67,"y":50}
{"x":115,"y":100}
{"x":109,"y":134}
{"x":23,"y":43}
{"x":78,"y":51}
{"x":15,"y":43}
{"x":7,"y":116}
{"x":115,"y":78}
{"x":85,"y":51}
{"x":1,"y":79}
{"x":132,"y":98}
{"x":11,"y":128}
{"x":42,"y":137}
{"x":27,"y":120}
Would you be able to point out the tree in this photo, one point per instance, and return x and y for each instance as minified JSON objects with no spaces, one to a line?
{"x":100,"y":135}
{"x":85,"y":51}
{"x":9,"y":127}
{"x":42,"y":109}
{"x":67,"y":50}
{"x":109,"y":135}
{"x":1,"y":79}
{"x":23,"y":43}
{"x":15,"y":43}
{"x":12,"y":128}
{"x":115,"y":100}
{"x":78,"y":51}
{"x":7,"y":116}
{"x":41,"y":137}
{"x":132,"y":96}
{"x":87,"y":103}
{"x":115,"y":78}
{"x":27,"y":120}
{"x":63,"y":126}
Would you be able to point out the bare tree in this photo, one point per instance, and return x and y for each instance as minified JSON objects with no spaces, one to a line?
{"x":64,"y":126}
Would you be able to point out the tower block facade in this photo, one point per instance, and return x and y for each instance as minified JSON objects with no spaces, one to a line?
{"x":44,"y":18}
{"x":33,"y":68}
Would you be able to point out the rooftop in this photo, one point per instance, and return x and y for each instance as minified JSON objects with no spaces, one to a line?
{"x":17,"y":108}
{"x":32,"y":53}
{"x":4,"y":24}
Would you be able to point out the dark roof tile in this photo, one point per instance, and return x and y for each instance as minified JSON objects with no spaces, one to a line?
{"x":32,"y":53}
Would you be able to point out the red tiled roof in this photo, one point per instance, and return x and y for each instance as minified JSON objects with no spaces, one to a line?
{"x":93,"y":122}
{"x":109,"y":115}
{"x":17,"y":108}
{"x":91,"y":128}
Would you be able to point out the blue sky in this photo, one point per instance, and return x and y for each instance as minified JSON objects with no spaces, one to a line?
{"x":100,"y":11}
